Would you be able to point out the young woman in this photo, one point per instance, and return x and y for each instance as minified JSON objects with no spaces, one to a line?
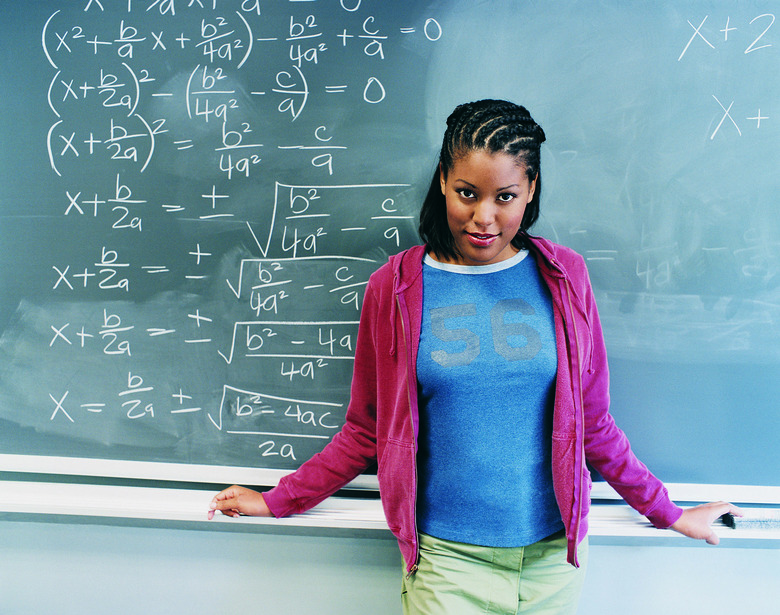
{"x":480,"y":388}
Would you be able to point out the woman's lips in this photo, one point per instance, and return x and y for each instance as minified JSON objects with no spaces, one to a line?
{"x":481,"y":240}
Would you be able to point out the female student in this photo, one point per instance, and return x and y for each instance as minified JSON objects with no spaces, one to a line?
{"x":480,"y":388}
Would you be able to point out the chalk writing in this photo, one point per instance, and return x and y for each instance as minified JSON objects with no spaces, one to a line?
{"x":757,"y":29}
{"x":212,"y":262}
{"x":745,"y":36}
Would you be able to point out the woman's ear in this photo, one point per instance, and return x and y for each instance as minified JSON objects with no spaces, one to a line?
{"x":532,"y":189}
{"x":442,"y":179}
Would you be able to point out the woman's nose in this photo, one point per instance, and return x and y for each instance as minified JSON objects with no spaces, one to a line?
{"x":484,"y":213}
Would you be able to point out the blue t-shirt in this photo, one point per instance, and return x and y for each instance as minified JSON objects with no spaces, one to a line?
{"x":486,"y":371}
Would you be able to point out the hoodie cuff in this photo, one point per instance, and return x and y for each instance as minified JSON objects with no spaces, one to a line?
{"x":279,"y":501}
{"x":664,"y":515}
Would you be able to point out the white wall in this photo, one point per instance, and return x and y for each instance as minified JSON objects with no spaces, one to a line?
{"x":681,"y":580}
{"x":66,"y":569}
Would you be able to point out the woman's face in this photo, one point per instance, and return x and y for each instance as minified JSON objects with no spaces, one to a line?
{"x":486,"y":196}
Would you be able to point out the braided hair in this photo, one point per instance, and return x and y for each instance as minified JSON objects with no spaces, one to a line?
{"x":486,"y":125}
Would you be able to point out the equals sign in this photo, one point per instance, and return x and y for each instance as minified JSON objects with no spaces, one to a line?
{"x":335,"y":89}
{"x":185,"y":144}
{"x":155,"y":269}
{"x":173,"y":208}
{"x":408,"y":30}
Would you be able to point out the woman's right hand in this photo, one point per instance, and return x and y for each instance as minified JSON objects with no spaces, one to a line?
{"x":236,"y":501}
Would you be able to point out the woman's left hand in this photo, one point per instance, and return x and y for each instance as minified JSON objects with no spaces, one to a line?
{"x":697,"y":522}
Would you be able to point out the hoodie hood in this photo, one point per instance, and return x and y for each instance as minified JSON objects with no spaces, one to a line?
{"x":407,"y":269}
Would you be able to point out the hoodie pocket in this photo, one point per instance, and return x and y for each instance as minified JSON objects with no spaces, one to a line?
{"x":396,"y":476}
{"x":572,"y":503}
{"x":563,"y":474}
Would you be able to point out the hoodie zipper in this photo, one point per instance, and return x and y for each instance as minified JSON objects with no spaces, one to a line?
{"x":414,"y":567}
{"x":578,"y":465}
{"x":578,"y":469}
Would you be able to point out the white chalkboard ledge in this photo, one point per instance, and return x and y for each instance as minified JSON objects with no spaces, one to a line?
{"x":610,"y":522}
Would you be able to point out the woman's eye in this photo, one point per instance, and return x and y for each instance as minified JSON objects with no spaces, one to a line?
{"x":506,"y":197}
{"x":466,"y":193}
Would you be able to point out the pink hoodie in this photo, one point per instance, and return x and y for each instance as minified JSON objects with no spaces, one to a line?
{"x":382,"y":418}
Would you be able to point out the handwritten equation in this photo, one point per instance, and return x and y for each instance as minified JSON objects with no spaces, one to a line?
{"x":220,"y":219}
{"x":723,"y":39}
{"x":111,"y":67}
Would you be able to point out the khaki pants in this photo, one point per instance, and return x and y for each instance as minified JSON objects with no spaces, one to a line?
{"x":460,"y":579}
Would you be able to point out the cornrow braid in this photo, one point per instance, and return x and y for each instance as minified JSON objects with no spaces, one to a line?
{"x":495,"y":126}
{"x":488,"y":125}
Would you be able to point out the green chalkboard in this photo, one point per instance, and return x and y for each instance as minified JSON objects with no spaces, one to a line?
{"x":193,"y":195}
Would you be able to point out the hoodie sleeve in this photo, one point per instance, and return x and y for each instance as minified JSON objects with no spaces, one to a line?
{"x":353,"y":448}
{"x":607,"y":448}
